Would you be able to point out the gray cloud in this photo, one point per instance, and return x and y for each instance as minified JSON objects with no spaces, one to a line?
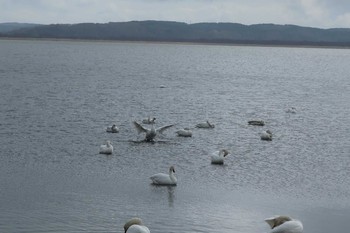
{"x":313,"y":13}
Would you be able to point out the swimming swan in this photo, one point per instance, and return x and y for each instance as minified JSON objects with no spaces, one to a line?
{"x":150,"y":133}
{"x":135,"y":225}
{"x":186,"y":132}
{"x":106,"y":148}
{"x":206,"y":125}
{"x":149,"y":120}
{"x":218,"y":156}
{"x":284,"y":224}
{"x":267,"y":135}
{"x":165,"y":179}
{"x":113,"y":129}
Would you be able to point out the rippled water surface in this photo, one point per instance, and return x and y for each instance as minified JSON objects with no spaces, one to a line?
{"x":57,"y":98}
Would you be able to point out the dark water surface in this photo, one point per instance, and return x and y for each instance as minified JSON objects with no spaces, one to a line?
{"x":57,"y":98}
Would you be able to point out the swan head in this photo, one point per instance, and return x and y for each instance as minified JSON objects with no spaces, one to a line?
{"x":277,"y":220}
{"x":224,"y":152}
{"x":152,"y":120}
{"x":172,"y":169}
{"x":108,"y":143}
{"x":133,"y":221}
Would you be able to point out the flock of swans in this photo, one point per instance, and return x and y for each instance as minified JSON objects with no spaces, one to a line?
{"x":278,"y":224}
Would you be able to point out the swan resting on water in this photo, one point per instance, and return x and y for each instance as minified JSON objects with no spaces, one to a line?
{"x":164,"y":179}
{"x":186,"y":132}
{"x":284,"y":224}
{"x":206,"y":125}
{"x":150,"y":133}
{"x":267,"y":135}
{"x":149,"y":120}
{"x":113,"y":129}
{"x":106,"y":148}
{"x":218,"y":156}
{"x":135,"y":225}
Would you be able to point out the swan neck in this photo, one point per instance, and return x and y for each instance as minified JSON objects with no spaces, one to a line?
{"x":172,"y":176}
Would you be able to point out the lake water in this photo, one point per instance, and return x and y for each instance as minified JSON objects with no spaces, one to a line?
{"x":57,"y":98}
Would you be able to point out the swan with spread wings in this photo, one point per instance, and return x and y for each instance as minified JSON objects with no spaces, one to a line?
{"x":152,"y":132}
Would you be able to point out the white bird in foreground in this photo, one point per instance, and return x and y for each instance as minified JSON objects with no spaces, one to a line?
{"x":186,"y":132}
{"x":135,"y":225}
{"x":165,"y":179}
{"x":113,"y":129}
{"x":267,"y":135}
{"x":150,"y":133}
{"x":205,"y":125}
{"x":218,"y":156}
{"x":149,"y":120}
{"x":106,"y":148}
{"x":284,"y":224}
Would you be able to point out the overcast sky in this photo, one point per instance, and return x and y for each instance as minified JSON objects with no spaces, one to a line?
{"x":312,"y":13}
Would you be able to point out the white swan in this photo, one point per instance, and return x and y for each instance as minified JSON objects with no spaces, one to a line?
{"x":150,"y":133}
{"x":206,"y":125}
{"x":218,"y":156}
{"x":149,"y":120}
{"x":165,"y":179}
{"x":186,"y":132}
{"x":267,"y":135}
{"x":284,"y":224}
{"x":113,"y":129}
{"x":135,"y":225}
{"x":106,"y":148}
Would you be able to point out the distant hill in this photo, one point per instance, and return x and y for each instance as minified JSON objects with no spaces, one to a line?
{"x":8,"y":27}
{"x":167,"y":31}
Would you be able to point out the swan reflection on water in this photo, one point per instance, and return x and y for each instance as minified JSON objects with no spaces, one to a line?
{"x":170,"y":190}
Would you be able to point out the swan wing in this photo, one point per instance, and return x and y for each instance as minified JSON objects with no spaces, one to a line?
{"x":293,"y":226}
{"x":161,"y":179}
{"x":162,"y":129}
{"x":106,"y":150}
{"x":140,"y":128}
{"x":216,"y":159}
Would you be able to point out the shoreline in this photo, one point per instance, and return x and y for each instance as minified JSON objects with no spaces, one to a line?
{"x":286,"y":45}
